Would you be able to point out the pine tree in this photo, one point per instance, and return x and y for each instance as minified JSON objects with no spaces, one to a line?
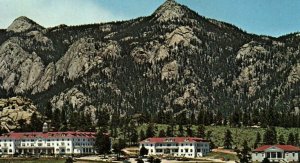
{"x":257,"y":140}
{"x":270,"y":136}
{"x":102,"y":143}
{"x":56,"y":122}
{"x":36,"y":123}
{"x":193,"y":118}
{"x":244,"y":154}
{"x":296,"y":139}
{"x":150,"y":131}
{"x":142,"y":135}
{"x":118,"y":146}
{"x":291,"y":139}
{"x":102,"y":118}
{"x":169,"y":132}
{"x":281,"y":140}
{"x":134,"y":136}
{"x":180,"y":131}
{"x":189,"y":131}
{"x":48,"y":111}
{"x":162,"y":133}
{"x":201,"y":131}
{"x":143,"y":151}
{"x":228,"y":140}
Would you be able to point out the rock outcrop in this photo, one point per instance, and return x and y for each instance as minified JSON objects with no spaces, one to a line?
{"x":14,"y":110}
{"x":23,"y":24}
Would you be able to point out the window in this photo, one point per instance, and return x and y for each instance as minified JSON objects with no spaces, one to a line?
{"x":181,"y":150}
{"x":159,"y":150}
{"x":186,"y":150}
{"x":191,"y":150}
{"x":279,"y":155}
{"x":293,"y":154}
{"x":273,"y":154}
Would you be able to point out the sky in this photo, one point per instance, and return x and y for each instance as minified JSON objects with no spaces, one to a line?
{"x":263,"y":17}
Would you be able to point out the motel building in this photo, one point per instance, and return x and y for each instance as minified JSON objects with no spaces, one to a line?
{"x":176,"y":146}
{"x":48,"y":143}
{"x":276,"y":153}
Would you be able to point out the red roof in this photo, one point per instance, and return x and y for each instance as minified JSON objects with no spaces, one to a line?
{"x":173,"y":139}
{"x":283,"y":147}
{"x":69,"y":134}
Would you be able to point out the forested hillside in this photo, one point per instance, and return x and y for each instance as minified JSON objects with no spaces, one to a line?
{"x":173,"y":64}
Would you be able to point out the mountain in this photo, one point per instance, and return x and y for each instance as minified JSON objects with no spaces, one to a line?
{"x":173,"y":60}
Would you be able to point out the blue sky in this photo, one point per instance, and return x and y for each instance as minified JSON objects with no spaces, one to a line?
{"x":268,"y":17}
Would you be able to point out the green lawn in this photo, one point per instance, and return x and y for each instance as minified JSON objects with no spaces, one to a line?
{"x":222,"y":156}
{"x":239,"y":134}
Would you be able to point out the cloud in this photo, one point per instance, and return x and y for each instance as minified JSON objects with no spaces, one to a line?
{"x":54,"y":12}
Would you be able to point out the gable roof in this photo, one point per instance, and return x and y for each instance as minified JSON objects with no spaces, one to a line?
{"x":282,"y":147}
{"x":28,"y":135}
{"x":173,"y":139}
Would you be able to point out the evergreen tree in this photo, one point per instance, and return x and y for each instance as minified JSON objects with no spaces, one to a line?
{"x":143,"y":151}
{"x":102,"y":116}
{"x":244,"y":154}
{"x":180,"y":131}
{"x":134,"y":136}
{"x":228,"y":140}
{"x":64,"y":121}
{"x":169,"y":132}
{"x":162,"y":133}
{"x":142,"y":135}
{"x":201,"y":131}
{"x":200,"y":118}
{"x":193,"y":118}
{"x":118,"y":146}
{"x":48,"y":111}
{"x":189,"y":131}
{"x":296,"y":139}
{"x":270,"y":136}
{"x":208,"y":135}
{"x":281,"y":140}
{"x":102,"y":143}
{"x":291,"y":139}
{"x":56,"y":119}
{"x":36,"y":123}
{"x":150,"y":132}
{"x":257,"y":140}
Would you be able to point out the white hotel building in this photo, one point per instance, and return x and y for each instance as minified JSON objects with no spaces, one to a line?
{"x":176,"y":146}
{"x":49,"y":143}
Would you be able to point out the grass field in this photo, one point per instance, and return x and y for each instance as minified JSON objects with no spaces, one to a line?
{"x":222,"y":156}
{"x":238,"y":134}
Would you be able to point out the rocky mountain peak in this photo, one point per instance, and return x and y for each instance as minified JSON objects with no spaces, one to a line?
{"x":23,"y":24}
{"x":170,"y":10}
